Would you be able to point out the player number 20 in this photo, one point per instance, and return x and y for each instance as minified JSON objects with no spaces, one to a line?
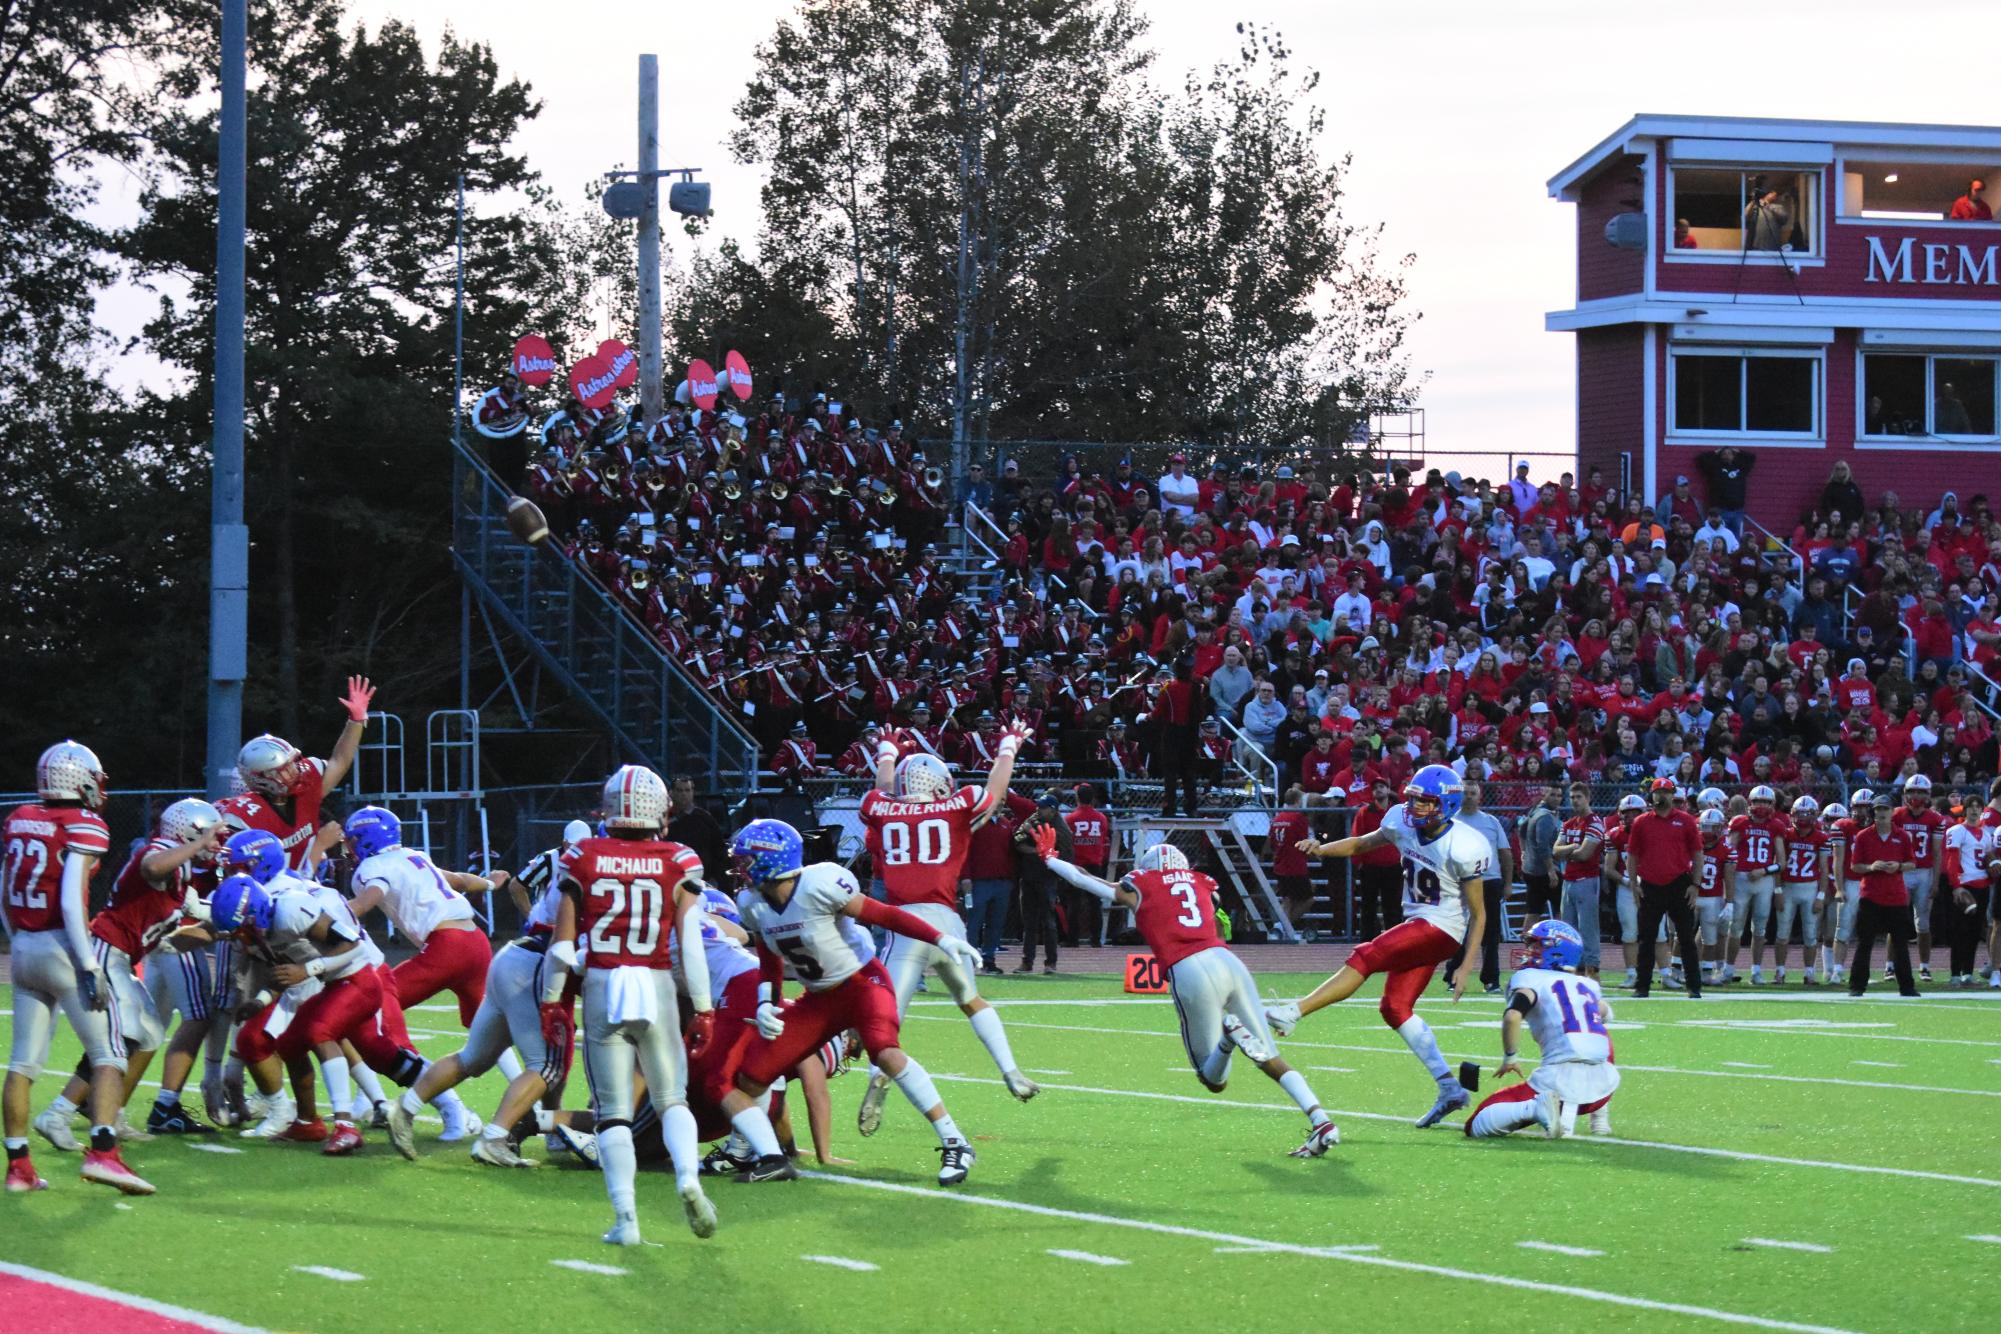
{"x":934,"y":843}
{"x":642,"y":929}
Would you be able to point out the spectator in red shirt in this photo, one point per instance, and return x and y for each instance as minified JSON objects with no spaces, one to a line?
{"x":1970,"y":207}
{"x":1091,"y":844}
{"x":1378,"y":883}
{"x":1882,"y":856}
{"x":989,"y":881}
{"x":1666,"y":849}
{"x":1289,"y":866}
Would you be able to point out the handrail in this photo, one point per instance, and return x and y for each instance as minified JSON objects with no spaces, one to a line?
{"x":1241,"y":743}
{"x":1993,"y":689}
{"x":972,"y":511}
{"x":1799,"y":561}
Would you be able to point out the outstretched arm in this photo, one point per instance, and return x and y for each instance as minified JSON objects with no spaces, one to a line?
{"x":887,"y":753}
{"x":1076,"y":876}
{"x":1011,"y":742}
{"x":355,"y":701}
{"x":1345,"y":847}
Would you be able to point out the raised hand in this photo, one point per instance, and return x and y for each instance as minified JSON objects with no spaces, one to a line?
{"x":356,"y":700}
{"x":1045,"y":841}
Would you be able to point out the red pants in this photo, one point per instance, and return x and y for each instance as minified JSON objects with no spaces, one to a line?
{"x":361,"y":1009}
{"x":1409,"y":953}
{"x":865,"y":1002}
{"x":713,"y":1073}
{"x":451,"y":960}
{"x":253,"y":1044}
{"x":1522,"y":1092}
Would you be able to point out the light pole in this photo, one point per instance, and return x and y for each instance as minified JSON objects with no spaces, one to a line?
{"x":229,"y":539}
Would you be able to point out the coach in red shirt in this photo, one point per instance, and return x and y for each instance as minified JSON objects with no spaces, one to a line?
{"x":1666,"y":851}
{"x":1881,"y":854}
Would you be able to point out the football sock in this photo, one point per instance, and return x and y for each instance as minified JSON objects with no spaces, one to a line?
{"x":232,"y":1071}
{"x":169,"y":1098}
{"x":1416,"y":1035}
{"x":334,"y":1071}
{"x":17,"y":1148}
{"x":103,"y":1139}
{"x":410,"y":1102}
{"x":917,"y":1087}
{"x":510,"y":1065}
{"x":948,"y":1130}
{"x":755,"y":1126}
{"x":62,"y":1106}
{"x":371,"y":1087}
{"x":987,"y":1027}
{"x":1294,"y":1085}
{"x":545,"y":1120}
{"x":1502,"y":1118}
{"x":449,"y":1099}
{"x":677,"y":1127}
{"x":620,"y":1166}
{"x":493,"y":1130}
{"x":1215,"y":1068}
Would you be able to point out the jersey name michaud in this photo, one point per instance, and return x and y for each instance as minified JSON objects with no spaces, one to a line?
{"x":631,"y":865}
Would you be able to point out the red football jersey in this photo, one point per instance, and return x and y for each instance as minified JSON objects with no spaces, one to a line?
{"x":625,"y":898}
{"x":1803,"y":854}
{"x":924,"y":843}
{"x":139,"y":914}
{"x":32,"y":847}
{"x":1756,"y":841}
{"x":1925,"y":829}
{"x":1842,"y":838}
{"x":1715,"y":856}
{"x":257,"y":812}
{"x":1582,"y":829}
{"x":1177,"y":913}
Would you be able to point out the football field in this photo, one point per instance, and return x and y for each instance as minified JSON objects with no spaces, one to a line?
{"x":1794,"y":1161}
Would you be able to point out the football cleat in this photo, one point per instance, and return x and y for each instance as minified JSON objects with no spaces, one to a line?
{"x":108,"y":1169}
{"x":1020,"y":1085}
{"x":378,"y":1116}
{"x":770,"y":1167}
{"x":21,"y":1177}
{"x":498,"y":1153}
{"x":580,"y":1142}
{"x":53,"y":1126}
{"x":1558,"y":1118}
{"x":1318,"y":1141}
{"x":624,"y":1231}
{"x":459,"y":1122}
{"x":955,"y":1162}
{"x":127,"y":1132}
{"x":1924,"y":972}
{"x":1283,"y":1017}
{"x":1601,"y":1121}
{"x":1778,"y":977}
{"x":729,"y":1158}
{"x":701,"y":1214}
{"x":868,"y":1118}
{"x":1450,"y":1099}
{"x":279,"y":1110}
{"x":175,"y":1120}
{"x":403,"y":1131}
{"x":304,"y":1132}
{"x":346,"y":1138}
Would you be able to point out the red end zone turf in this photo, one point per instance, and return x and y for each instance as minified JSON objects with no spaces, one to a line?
{"x":57,"y":1305}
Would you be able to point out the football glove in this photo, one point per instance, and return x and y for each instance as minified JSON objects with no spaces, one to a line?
{"x":701,"y":1031}
{"x":770,"y":1021}
{"x":1045,"y":841}
{"x":355,"y":701}
{"x":91,"y":985}
{"x":962,"y":953}
{"x":559,"y":1029}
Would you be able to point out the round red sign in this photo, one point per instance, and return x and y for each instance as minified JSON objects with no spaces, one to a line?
{"x":702,"y":385}
{"x":594,"y":382}
{"x":623,"y":361}
{"x":738,"y":372}
{"x":534,"y":360}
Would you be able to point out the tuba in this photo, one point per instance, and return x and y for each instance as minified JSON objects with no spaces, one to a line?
{"x":780,"y":492}
{"x":934,"y":477}
{"x":732,"y":488}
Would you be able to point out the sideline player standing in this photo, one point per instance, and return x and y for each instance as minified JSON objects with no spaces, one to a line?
{"x":796,"y":911}
{"x":1713,"y":891}
{"x":1860,"y":815}
{"x":1925,"y":827}
{"x":50,"y":851}
{"x":1214,"y":995}
{"x":924,"y":829}
{"x":1568,"y":1016}
{"x":1758,"y":838}
{"x":624,"y":894}
{"x":1803,"y":886}
{"x":1444,"y":864}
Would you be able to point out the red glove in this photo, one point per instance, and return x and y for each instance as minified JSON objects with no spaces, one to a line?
{"x":559,"y":1030}
{"x":1045,"y":840}
{"x":359,"y":693}
{"x":701,"y":1031}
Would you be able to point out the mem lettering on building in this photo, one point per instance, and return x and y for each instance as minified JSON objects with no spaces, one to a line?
{"x":1812,"y":290}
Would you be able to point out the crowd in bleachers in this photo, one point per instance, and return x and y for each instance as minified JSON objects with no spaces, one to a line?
{"x":1350,"y":625}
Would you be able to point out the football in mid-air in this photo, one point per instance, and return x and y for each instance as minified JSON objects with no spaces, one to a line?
{"x":526,"y":520}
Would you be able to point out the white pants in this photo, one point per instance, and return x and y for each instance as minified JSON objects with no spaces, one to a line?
{"x":510,"y":1016}
{"x":45,"y":981}
{"x":907,"y":959}
{"x":1919,"y":883}
{"x":1800,"y":901}
{"x":611,"y":1051}
{"x":1851,"y":901}
{"x":134,"y":1025}
{"x":1754,"y":904}
{"x":183,"y":982}
{"x":1709,"y":917}
{"x":1206,"y":986}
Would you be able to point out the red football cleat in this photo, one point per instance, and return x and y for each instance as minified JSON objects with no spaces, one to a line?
{"x":108,"y":1169}
{"x":21,"y":1177}
{"x":345,"y":1140}
{"x":304,"y":1132}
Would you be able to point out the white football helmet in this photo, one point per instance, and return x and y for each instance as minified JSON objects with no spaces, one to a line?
{"x":1711,"y":820}
{"x":1805,"y":807}
{"x":1711,"y":799}
{"x":1918,"y":783}
{"x":69,"y":771}
{"x":1632,"y":801}
{"x":1764,"y":794}
{"x":635,"y":798}
{"x":923,"y":778}
{"x":1832,"y":812}
{"x":575,"y":832}
{"x":1862,"y":799}
{"x":188,"y":820}
{"x":1161,"y":857}
{"x":270,"y":766}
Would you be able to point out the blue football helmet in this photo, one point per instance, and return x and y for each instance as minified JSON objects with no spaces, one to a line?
{"x":1432,"y":783}
{"x":373,"y":829}
{"x":254,"y":852}
{"x":768,"y":850}
{"x":1553,"y":943}
{"x":239,"y":902}
{"x":718,"y":904}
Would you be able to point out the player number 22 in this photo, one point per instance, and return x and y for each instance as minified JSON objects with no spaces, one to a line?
{"x":642,"y":929}
{"x":20,"y":881}
{"x":933,"y":838}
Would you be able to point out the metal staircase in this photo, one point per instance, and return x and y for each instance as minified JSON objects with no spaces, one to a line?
{"x":597,"y":649}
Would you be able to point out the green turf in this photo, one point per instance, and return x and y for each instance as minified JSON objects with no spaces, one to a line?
{"x":446,"y":1245}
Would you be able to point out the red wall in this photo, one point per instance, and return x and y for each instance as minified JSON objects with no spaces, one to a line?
{"x":1610,"y":400}
{"x":1602,"y":270}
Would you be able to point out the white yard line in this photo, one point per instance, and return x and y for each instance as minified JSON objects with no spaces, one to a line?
{"x":839,"y":1261}
{"x":1879,"y":1065}
{"x":200,"y":1146}
{"x":165,"y":1310}
{"x":1744,"y":1065}
{"x":323,"y":1271}
{"x":1338,"y":1114}
{"x":589,"y":1267}
{"x":1339,"y":1256}
{"x":1986,"y":1237}
{"x":1773,"y":1243}
{"x":1279,"y":1250}
{"x":1086,"y":1257}
{"x":1581,"y":1252}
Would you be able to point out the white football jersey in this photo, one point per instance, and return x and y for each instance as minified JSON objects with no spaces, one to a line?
{"x":727,"y":959}
{"x":807,"y":933}
{"x":1435,"y":870}
{"x":415,"y":895}
{"x":296,"y":904}
{"x":1969,"y":850}
{"x":1569,"y":1024}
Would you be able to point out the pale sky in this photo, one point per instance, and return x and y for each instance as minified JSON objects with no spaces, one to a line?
{"x":1455,"y":113}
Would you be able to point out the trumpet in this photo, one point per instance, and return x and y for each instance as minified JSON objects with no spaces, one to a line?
{"x":780,"y":492}
{"x":886,"y":496}
{"x":639,"y":580}
{"x":934,"y":477}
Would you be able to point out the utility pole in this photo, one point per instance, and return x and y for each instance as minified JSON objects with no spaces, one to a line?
{"x":229,"y":539}
{"x":649,"y":237}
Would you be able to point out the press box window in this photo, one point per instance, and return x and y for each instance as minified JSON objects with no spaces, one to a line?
{"x":1730,"y":393}
{"x":1908,"y":394}
{"x":1734,"y":209}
